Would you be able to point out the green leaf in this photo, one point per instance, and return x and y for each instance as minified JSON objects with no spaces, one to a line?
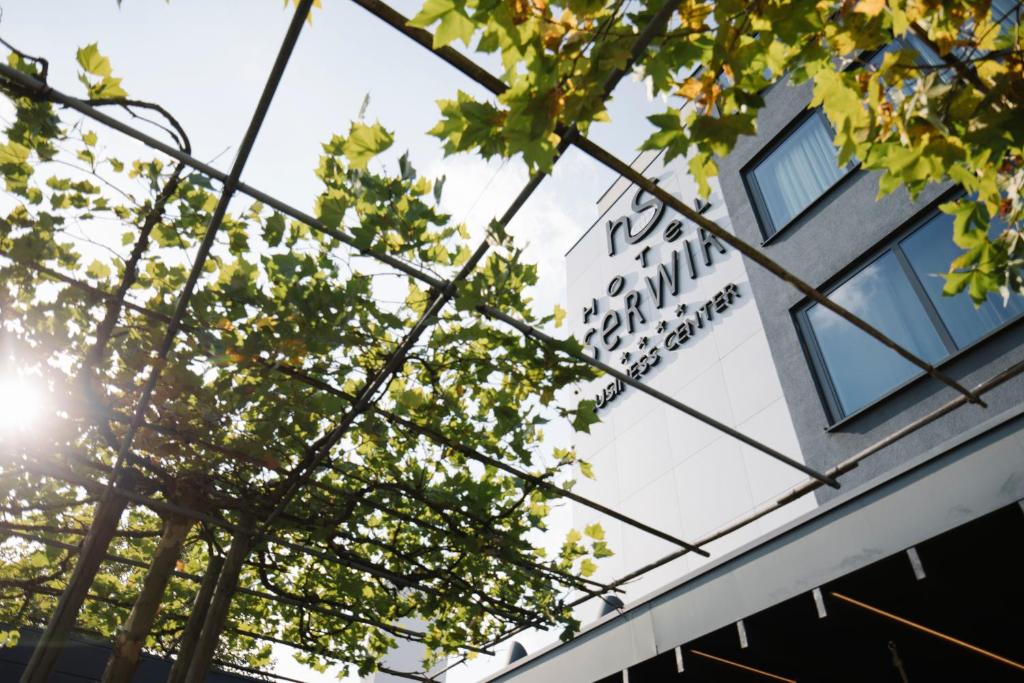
{"x":586,"y":415}
{"x":107,"y":87}
{"x":365,"y":142}
{"x":594,"y":531}
{"x":559,"y":315}
{"x":90,"y":59}
{"x":455,"y":24}
{"x":586,"y":469}
{"x":13,"y":153}
{"x":98,"y":270}
{"x":275,"y":229}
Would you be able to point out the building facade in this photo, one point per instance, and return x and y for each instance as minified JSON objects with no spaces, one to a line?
{"x":867,"y":582}
{"x":654,"y":295}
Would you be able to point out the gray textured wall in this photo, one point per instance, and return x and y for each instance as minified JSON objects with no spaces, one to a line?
{"x":834,"y":234}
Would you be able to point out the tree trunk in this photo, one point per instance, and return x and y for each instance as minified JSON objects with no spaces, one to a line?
{"x":241,"y":544}
{"x":200,"y":608}
{"x":94,"y":548}
{"x":131,"y":637}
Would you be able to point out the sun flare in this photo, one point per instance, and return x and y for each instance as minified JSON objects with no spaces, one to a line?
{"x":19,"y":404}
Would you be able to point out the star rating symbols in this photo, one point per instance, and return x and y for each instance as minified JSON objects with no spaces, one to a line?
{"x":680,"y":309}
{"x":661,"y":326}
{"x":625,"y":356}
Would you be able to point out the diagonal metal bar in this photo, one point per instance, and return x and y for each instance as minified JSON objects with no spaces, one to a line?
{"x":292,"y":373}
{"x":760,"y":258}
{"x":534,"y":333}
{"x":481,"y":76}
{"x":425,"y":39}
{"x":441,"y":296}
{"x":455,"y":58}
{"x":230,"y":185}
{"x":800,"y":490}
{"x":39,"y":89}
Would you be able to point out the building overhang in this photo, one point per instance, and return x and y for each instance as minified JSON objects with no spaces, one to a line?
{"x":978,"y":472}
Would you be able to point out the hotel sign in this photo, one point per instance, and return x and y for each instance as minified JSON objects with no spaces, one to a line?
{"x":651,"y":306}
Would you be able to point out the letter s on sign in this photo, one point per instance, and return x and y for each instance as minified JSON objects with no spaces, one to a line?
{"x":640,"y":207}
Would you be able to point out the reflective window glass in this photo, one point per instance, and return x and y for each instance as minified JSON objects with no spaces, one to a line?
{"x":860,"y":368}
{"x":930,"y":250}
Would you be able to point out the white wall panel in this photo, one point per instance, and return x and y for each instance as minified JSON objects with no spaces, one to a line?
{"x":651,"y":461}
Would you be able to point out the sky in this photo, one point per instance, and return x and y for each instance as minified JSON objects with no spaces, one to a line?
{"x":206,"y":61}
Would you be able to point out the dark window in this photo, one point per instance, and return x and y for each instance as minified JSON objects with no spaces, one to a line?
{"x":900,"y":293}
{"x":795,"y":173}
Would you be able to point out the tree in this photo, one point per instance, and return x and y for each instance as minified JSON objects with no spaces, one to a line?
{"x":921,"y":92}
{"x":404,"y":518}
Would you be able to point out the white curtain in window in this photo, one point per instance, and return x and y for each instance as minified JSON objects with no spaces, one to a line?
{"x":799,"y":171}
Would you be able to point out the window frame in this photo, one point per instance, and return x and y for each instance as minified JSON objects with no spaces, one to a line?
{"x":823,"y":381}
{"x":766,"y":225}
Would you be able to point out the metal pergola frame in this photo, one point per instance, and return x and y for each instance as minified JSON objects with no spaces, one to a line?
{"x":441,"y":293}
